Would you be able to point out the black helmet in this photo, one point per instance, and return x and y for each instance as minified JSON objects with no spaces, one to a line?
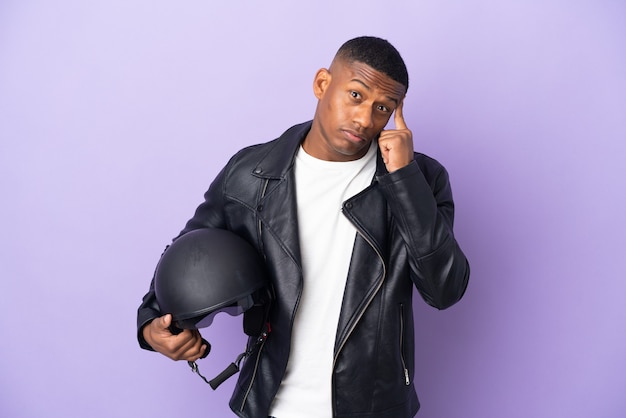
{"x":207,"y":271}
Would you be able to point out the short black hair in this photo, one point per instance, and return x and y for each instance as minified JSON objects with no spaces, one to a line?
{"x":377,"y":53}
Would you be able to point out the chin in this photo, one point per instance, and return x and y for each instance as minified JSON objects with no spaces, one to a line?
{"x":352,"y":151}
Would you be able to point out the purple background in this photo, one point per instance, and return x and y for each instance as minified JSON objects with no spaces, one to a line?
{"x":116,"y":115}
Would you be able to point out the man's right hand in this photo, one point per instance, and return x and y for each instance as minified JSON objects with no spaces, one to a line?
{"x":187,"y":345}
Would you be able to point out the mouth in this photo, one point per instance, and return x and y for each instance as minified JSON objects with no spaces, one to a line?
{"x":354,"y":136}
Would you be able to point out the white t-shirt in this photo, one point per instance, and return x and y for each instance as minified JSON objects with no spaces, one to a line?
{"x":326,"y":243}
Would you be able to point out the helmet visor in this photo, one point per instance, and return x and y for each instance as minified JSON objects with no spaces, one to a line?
{"x":204,"y":321}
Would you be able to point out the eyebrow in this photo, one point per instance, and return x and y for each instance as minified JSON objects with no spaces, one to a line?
{"x":393,"y":99}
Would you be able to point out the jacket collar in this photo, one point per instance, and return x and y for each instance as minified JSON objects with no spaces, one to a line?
{"x":280,"y":156}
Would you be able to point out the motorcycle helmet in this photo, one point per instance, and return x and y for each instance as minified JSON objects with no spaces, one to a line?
{"x":207,"y":271}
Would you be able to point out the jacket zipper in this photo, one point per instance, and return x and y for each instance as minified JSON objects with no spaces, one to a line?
{"x":407,"y":380}
{"x":366,"y":305}
{"x":256,"y":367}
{"x":368,"y":302}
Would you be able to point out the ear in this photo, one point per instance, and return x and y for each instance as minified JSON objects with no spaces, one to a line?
{"x":321,"y":82}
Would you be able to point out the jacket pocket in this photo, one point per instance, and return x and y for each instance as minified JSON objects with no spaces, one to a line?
{"x":405,"y":370}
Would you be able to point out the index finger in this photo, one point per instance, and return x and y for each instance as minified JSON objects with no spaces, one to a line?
{"x":398,"y":118}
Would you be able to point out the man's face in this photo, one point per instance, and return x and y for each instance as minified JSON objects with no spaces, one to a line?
{"x":355,"y":104}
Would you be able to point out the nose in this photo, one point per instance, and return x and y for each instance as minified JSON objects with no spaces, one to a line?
{"x":363,"y":116}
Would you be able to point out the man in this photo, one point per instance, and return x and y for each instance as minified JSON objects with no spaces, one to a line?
{"x":348,"y":219}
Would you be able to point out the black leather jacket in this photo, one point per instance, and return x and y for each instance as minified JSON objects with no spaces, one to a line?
{"x":404,"y":222}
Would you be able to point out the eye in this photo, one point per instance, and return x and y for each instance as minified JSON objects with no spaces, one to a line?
{"x":383,"y":108}
{"x":355,"y":95}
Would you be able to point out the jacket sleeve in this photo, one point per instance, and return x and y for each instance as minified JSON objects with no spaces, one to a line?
{"x":208,"y":215}
{"x":420,"y":199}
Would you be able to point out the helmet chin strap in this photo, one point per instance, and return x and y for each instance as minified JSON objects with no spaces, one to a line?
{"x":233,"y":368}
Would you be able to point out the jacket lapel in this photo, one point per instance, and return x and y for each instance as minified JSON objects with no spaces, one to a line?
{"x":367,"y":266}
{"x":277,"y":208}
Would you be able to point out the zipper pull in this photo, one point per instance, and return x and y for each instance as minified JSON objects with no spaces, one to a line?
{"x":407,"y":381}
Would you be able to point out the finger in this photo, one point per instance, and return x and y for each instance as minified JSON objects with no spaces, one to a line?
{"x":193,"y":349}
{"x":184,"y":346}
{"x":201,"y":353}
{"x":166,"y":321}
{"x":398,"y":118}
{"x":189,"y":342}
{"x":205,"y":350}
{"x":166,"y":326}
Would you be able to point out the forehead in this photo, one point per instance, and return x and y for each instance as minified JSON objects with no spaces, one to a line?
{"x":371,"y":79}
